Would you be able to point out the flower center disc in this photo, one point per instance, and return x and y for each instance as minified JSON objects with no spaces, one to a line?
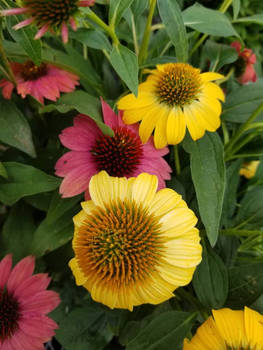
{"x":53,"y":12}
{"x":30,"y":71}
{"x":120,"y":244}
{"x":119,"y":155}
{"x":178,"y":84}
{"x":9,"y":315}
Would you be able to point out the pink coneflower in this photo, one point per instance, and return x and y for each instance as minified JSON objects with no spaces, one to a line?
{"x":44,"y":81}
{"x":121,"y":155}
{"x":245,"y":70}
{"x":53,"y":15}
{"x":24,"y":303}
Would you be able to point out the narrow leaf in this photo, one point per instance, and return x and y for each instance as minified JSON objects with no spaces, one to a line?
{"x":117,"y":8}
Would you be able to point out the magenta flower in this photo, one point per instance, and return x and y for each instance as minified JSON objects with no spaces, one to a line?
{"x":44,"y":81}
{"x":123,"y":155}
{"x":49,"y":15}
{"x":245,"y":64}
{"x":24,"y":303}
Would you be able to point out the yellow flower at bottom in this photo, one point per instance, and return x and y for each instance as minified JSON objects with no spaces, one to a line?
{"x":248,"y":170}
{"x":229,"y":330}
{"x":174,"y":96}
{"x":133,"y":245}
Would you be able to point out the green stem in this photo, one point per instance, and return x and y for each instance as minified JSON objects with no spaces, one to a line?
{"x":109,"y":30}
{"x":223,"y":8}
{"x":242,"y":129}
{"x":147,"y":33}
{"x":134,"y":35}
{"x":225,"y":133}
{"x":177,"y":160}
{"x":6,"y":66}
{"x":242,"y":233}
{"x":240,"y":145}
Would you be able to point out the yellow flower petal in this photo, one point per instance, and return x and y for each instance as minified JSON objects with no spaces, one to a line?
{"x":177,"y":276}
{"x":144,"y":99}
{"x":149,"y":122}
{"x":79,"y":218}
{"x":87,"y":206}
{"x":164,"y":201}
{"x":160,"y":138}
{"x":176,"y":126}
{"x":194,"y":125}
{"x":206,"y":116}
{"x":209,"y":76}
{"x":214,"y":91}
{"x":79,"y":276}
{"x":144,"y":188}
{"x":254,"y":328}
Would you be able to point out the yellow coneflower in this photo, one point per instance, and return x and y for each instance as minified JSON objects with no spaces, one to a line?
{"x":249,"y":169}
{"x":229,"y":330}
{"x":133,"y":245}
{"x":174,"y":96}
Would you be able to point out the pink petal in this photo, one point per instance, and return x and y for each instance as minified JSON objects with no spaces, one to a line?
{"x":237,"y":46}
{"x":110,"y":118}
{"x":37,"y":327}
{"x":22,"y":341}
{"x":32,"y":285}
{"x":64,"y":33}
{"x":42,"y":31}
{"x":40,"y":303}
{"x":86,"y":3}
{"x":14,"y":11}
{"x":5,"y":269}
{"x":73,"y":23}
{"x":23,"y":24}
{"x":72,"y":160}
{"x":148,"y":148}
{"x":248,"y":75}
{"x":76,"y":182}
{"x":7,"y":88}
{"x":20,"y":272}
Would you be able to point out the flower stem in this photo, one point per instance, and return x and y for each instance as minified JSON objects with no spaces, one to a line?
{"x":109,"y":30}
{"x":177,"y":160}
{"x":241,"y":130}
{"x":147,"y":33}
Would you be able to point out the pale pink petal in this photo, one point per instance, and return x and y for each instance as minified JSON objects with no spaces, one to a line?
{"x":24,"y":88}
{"x":42,"y":31}
{"x":86,"y":3}
{"x":73,"y":23}
{"x":73,"y":160}
{"x":20,"y":272}
{"x":64,"y":33}
{"x":110,"y":118}
{"x":23,"y":24}
{"x":76,"y":182}
{"x":5,"y":270}
{"x":14,"y":11}
{"x":32,"y":285}
{"x":40,"y":303}
{"x":248,"y":75}
{"x":7,"y":88}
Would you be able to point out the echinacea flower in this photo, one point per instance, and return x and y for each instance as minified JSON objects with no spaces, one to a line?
{"x":53,"y":15}
{"x":174,"y":96}
{"x":92,"y":151}
{"x":43,"y":81}
{"x":229,"y":329}
{"x":249,"y":169}
{"x":245,"y":64}
{"x":24,"y":303}
{"x":133,"y":245}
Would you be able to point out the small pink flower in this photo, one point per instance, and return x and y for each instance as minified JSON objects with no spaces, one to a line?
{"x":246,"y":61}
{"x":49,"y":15}
{"x":44,"y":81}
{"x":122,"y":155}
{"x":24,"y":303}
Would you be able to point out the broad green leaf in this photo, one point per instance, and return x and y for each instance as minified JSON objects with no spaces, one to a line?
{"x":50,"y":236}
{"x":208,"y":21}
{"x":85,"y":328}
{"x":24,"y":180}
{"x":92,"y":38}
{"x":219,"y":54}
{"x":208,"y":173}
{"x":3,"y":171}
{"x":245,"y":284}
{"x":83,"y":103}
{"x":138,"y":7}
{"x":125,"y":62}
{"x":15,"y":130}
{"x":171,"y":16}
{"x":25,"y":38}
{"x":18,"y":231}
{"x":211,"y":280}
{"x":241,"y":102}
{"x":236,"y":8}
{"x":257,"y":19}
{"x":166,"y":332}
{"x":117,"y":8}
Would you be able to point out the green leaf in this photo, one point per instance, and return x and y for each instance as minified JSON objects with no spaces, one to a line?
{"x":50,"y":236}
{"x":219,"y":54}
{"x":3,"y":171}
{"x":166,"y":331}
{"x":245,"y":284}
{"x":92,"y":38}
{"x":208,"y":21}
{"x":236,"y":8}
{"x":85,"y":328}
{"x":25,"y":38}
{"x":117,"y":8}
{"x":125,"y":62}
{"x":241,"y":102}
{"x":172,"y":18}
{"x":24,"y":180}
{"x":211,"y":280}
{"x":208,"y":173}
{"x":15,"y":130}
{"x":257,"y":19}
{"x":17,"y":234}
{"x":83,"y":103}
